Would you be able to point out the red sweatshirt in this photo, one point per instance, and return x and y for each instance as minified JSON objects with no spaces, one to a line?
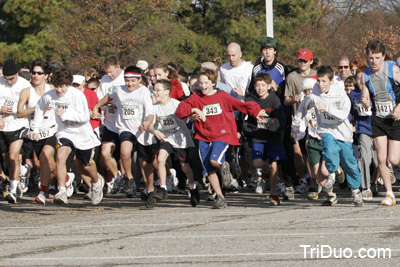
{"x":220,"y":122}
{"x":177,"y":89}
{"x":92,"y":100}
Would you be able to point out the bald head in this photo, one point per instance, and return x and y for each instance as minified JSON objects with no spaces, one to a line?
{"x":234,"y":54}
{"x":344,"y":67}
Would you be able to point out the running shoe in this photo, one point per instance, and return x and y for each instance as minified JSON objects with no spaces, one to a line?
{"x":330,"y":201}
{"x":61,"y":197}
{"x":330,"y":181}
{"x":11,"y":198}
{"x":340,"y":176}
{"x":367,"y":194}
{"x":150,"y":201}
{"x":289,"y":193}
{"x":388,"y":201}
{"x":220,"y":203}
{"x":357,"y":198}
{"x":274,"y":200}
{"x":194,"y":197}
{"x":97,"y":193}
{"x":52,"y":191}
{"x":118,"y":183}
{"x":226,"y":176}
{"x":302,"y":188}
{"x":68,"y":183}
{"x":161,"y":194}
{"x":260,"y":188}
{"x":41,"y":198}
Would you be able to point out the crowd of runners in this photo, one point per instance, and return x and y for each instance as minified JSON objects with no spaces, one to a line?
{"x":149,"y":131}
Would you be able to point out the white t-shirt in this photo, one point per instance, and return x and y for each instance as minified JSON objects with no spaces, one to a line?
{"x":237,"y":77}
{"x":9,"y":96}
{"x":175,"y":130}
{"x":133,"y":107}
{"x":74,"y":124}
{"x":107,"y":86}
{"x":49,"y":126}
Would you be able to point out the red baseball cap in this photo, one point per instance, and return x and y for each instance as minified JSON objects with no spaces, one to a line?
{"x":305,"y":54}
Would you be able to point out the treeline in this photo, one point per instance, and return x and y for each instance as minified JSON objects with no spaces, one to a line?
{"x":83,"y":32}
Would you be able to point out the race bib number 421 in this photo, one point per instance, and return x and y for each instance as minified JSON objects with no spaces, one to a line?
{"x":212,"y":110}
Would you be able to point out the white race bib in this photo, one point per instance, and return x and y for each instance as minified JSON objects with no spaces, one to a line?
{"x":384,"y":109}
{"x":212,"y":110}
{"x":62,"y":105}
{"x":312,"y":118}
{"x":168,"y":122}
{"x":9,"y":102}
{"x":45,"y":133}
{"x":130,"y":112}
{"x":361,"y":110}
{"x":328,"y":119}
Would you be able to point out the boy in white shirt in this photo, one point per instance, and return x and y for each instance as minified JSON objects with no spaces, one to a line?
{"x":332,"y":107}
{"x":74,"y":133}
{"x":135,"y":112}
{"x":174,"y":138}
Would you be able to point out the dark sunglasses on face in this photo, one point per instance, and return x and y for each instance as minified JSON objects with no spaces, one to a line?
{"x":343,"y":67}
{"x":37,"y":72}
{"x":93,"y":88}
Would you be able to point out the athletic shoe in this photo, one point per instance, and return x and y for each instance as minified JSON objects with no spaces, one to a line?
{"x":357,"y":198}
{"x":260,"y":186}
{"x":110,"y":186}
{"x":61,"y":197}
{"x":252,"y":183}
{"x":52,"y":191}
{"x":88,"y":196}
{"x":156,"y":183}
{"x":340,"y":176}
{"x":177,"y":190}
{"x":330,"y":181}
{"x":24,"y":177}
{"x":220,"y":203}
{"x":83,"y":187}
{"x":143,"y":194}
{"x":150,"y":201}
{"x":367,"y":194}
{"x":130,"y":187}
{"x":41,"y":198}
{"x":161,"y":194}
{"x":289,"y":193}
{"x":313,"y":190}
{"x":97,"y":193}
{"x":312,"y":196}
{"x":226,"y":176}
{"x":118,"y":183}
{"x":234,"y":187}
{"x":281,"y":189}
{"x":392,"y":175}
{"x":194,"y":197}
{"x":302,"y":188}
{"x":68,"y":183}
{"x":330,"y":201}
{"x":11,"y":198}
{"x":388,"y":201}
{"x":171,"y":180}
{"x":274,"y":200}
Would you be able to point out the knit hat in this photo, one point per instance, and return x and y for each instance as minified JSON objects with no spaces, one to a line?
{"x":10,"y":68}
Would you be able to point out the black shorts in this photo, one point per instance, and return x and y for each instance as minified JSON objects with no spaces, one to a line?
{"x":108,"y":136}
{"x":27,"y":149}
{"x":146,"y":153}
{"x":50,"y":141}
{"x":6,"y":138}
{"x":84,"y":156}
{"x":388,"y":127}
{"x":176,"y":154}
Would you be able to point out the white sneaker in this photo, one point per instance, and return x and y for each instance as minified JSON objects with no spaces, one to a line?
{"x":260,"y":188}
{"x":41,"y":198}
{"x":61,"y":197}
{"x":68,"y":183}
{"x":330,"y":181}
{"x":97,"y":193}
{"x":388,"y":201}
{"x":110,"y":185}
{"x":24,"y":177}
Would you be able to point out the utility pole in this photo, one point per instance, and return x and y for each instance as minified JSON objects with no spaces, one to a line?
{"x":269,"y":17}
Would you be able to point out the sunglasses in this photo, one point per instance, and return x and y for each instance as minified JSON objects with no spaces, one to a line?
{"x":37,"y":72}
{"x":343,"y":67}
{"x":94,"y":88}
